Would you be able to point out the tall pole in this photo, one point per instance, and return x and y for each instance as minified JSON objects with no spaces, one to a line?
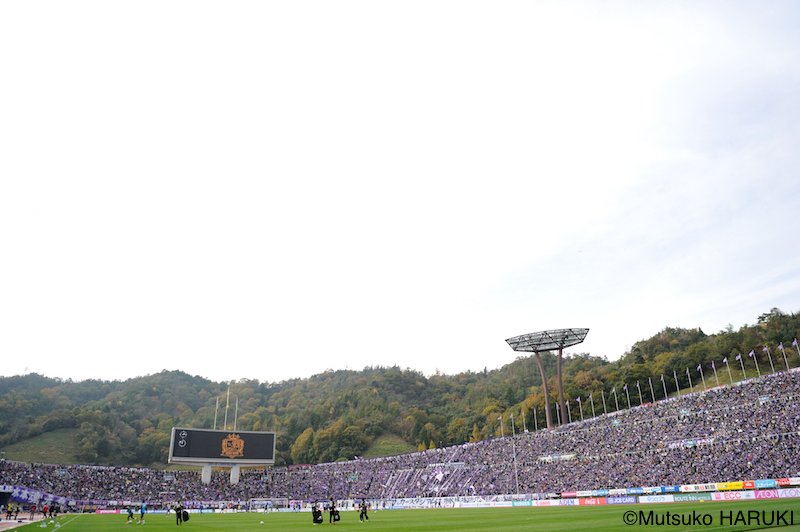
{"x":513,"y":428}
{"x":664,"y":384}
{"x":502,"y":432}
{"x":753,"y":356}
{"x":535,"y":421}
{"x":690,"y":380}
{"x":739,"y":358}
{"x":784,"y":356}
{"x":215,"y":414}
{"x":236,"y":414}
{"x":616,"y":402}
{"x":766,"y":348}
{"x":558,"y":413}
{"x":700,"y":368}
{"x":561,"y":384}
{"x":514,"y":450}
{"x":580,"y":406}
{"x":524,"y":428}
{"x":569,"y":412}
{"x":640,"y":392}
{"x":227,"y":405}
{"x":603,"y":397}
{"x":652,"y":394}
{"x":591,"y":400}
{"x":715,"y":371}
{"x":628,"y":395}
{"x":677,"y":384}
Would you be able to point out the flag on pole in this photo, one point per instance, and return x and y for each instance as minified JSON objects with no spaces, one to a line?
{"x":712,"y":365}
{"x":625,"y":388}
{"x":579,"y":398}
{"x":739,"y":356}
{"x":765,"y":349}
{"x":795,"y":342}
{"x":698,"y":367}
{"x":500,"y":418}
{"x":662,"y":377}
{"x":752,"y":353}
{"x":687,"y":371}
{"x":725,"y":360}
{"x":511,"y":416}
{"x":780,"y":346}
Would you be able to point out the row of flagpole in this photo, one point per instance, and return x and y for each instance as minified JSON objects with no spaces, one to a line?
{"x":652,"y":393}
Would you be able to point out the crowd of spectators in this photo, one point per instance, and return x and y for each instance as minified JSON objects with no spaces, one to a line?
{"x":746,"y":431}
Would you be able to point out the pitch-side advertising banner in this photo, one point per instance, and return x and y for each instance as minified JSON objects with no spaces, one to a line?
{"x":656,"y":498}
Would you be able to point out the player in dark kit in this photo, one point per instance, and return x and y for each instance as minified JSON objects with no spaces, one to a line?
{"x":362,"y":515}
{"x":316,"y":513}
{"x":179,"y":513}
{"x":334,"y":513}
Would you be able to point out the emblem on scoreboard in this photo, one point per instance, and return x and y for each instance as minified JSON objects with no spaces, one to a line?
{"x":232,"y":446}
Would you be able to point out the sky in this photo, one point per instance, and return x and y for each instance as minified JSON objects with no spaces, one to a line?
{"x":268,"y":190}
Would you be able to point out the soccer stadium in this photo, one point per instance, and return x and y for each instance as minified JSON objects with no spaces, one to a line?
{"x":729,"y":443}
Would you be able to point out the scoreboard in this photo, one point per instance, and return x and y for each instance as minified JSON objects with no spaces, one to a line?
{"x":221,"y":447}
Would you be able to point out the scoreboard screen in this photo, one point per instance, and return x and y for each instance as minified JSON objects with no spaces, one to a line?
{"x":203,"y":446}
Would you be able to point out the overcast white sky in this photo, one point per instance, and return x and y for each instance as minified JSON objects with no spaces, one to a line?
{"x":270,"y":189}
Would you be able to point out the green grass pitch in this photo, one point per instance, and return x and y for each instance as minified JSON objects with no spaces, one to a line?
{"x":581,"y":518}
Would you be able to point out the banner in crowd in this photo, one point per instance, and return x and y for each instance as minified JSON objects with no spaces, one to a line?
{"x":699,"y":487}
{"x":21,"y":494}
{"x":723,"y":486}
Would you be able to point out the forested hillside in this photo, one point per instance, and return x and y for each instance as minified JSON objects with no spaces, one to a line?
{"x":338,"y":414}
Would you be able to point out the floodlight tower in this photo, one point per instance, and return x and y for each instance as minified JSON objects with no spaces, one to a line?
{"x":547,"y":341}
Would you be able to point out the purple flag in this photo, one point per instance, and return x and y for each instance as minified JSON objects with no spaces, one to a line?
{"x":765,"y":349}
{"x":511,"y":416}
{"x":739,"y":356}
{"x":795,"y":342}
{"x":687,"y":371}
{"x":637,"y":384}
{"x":501,"y":417}
{"x":698,"y":367}
{"x":614,"y":390}
{"x":579,"y":399}
{"x":712,"y":365}
{"x":752,"y":353}
{"x":725,"y":360}
{"x":662,"y":377}
{"x":625,"y":388}
{"x":780,"y":346}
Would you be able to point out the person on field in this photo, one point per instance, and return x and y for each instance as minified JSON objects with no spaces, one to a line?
{"x":179,"y":514}
{"x":333,"y":515}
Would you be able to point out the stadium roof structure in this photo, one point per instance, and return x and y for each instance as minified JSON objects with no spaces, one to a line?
{"x":547,"y":340}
